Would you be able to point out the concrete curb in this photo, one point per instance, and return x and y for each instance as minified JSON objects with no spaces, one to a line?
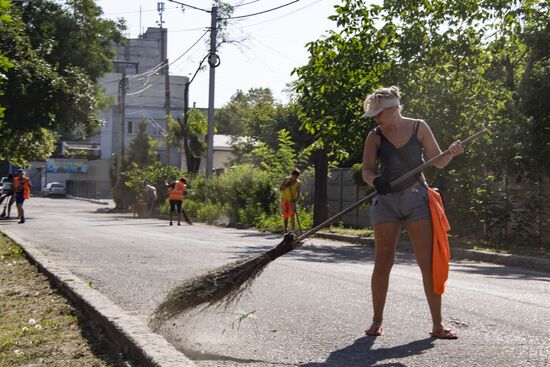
{"x":130,"y":335}
{"x":526,"y":262}
{"x":88,"y":200}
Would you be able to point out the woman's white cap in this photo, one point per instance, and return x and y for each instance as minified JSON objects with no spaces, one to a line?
{"x":375,"y":104}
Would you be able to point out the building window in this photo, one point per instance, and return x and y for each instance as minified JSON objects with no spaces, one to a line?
{"x":130,"y":127}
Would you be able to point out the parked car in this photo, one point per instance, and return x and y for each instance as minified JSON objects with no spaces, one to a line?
{"x":5,"y":185}
{"x":53,"y":189}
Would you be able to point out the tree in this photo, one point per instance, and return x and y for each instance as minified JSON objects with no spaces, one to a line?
{"x":141,"y":155}
{"x":247,"y":114}
{"x":456,"y":62}
{"x":142,"y":148}
{"x":57,"y":53}
{"x":188,"y":132}
{"x":5,"y":64}
{"x":280,"y":160}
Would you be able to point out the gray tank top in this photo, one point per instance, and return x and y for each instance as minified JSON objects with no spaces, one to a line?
{"x":394,"y":162}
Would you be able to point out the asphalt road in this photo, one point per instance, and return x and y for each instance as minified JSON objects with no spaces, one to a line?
{"x":309,"y":308}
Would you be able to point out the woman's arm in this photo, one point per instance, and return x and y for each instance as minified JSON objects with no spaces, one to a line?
{"x":431,"y":148}
{"x":370,"y":153}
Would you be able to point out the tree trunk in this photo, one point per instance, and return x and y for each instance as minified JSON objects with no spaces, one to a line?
{"x":320,"y":197}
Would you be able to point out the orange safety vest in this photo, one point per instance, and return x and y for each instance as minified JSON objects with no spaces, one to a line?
{"x":26,"y":187}
{"x":441,"y":251}
{"x":176,"y":192}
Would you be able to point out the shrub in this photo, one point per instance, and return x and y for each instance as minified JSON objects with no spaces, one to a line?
{"x":209,"y":213}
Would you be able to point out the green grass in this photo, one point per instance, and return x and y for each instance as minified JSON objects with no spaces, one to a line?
{"x":40,"y":327}
{"x":340,"y":229}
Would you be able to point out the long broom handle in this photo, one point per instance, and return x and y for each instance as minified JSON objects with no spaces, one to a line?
{"x":407,"y":175}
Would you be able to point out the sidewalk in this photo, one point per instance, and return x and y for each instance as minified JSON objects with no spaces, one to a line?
{"x":526,"y":262}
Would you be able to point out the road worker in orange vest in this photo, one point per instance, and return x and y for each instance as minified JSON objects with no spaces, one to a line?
{"x":176,"y":192}
{"x":22,"y":188}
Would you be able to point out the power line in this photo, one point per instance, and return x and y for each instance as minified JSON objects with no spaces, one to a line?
{"x":189,"y":6}
{"x":262,"y":12}
{"x":199,"y":68}
{"x":248,"y":3}
{"x":281,"y":16}
{"x":162,"y":65}
{"x":189,"y":49}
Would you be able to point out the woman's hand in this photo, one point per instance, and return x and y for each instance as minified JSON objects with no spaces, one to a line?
{"x":456,"y":148}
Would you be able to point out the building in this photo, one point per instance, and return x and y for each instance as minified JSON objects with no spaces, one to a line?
{"x":138,"y":65}
{"x":139,"y":61}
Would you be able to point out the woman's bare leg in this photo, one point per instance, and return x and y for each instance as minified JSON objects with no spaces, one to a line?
{"x":385,"y":235}
{"x":420,"y":232}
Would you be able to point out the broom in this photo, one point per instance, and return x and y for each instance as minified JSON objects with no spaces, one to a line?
{"x":185,"y":217}
{"x":228,"y":282}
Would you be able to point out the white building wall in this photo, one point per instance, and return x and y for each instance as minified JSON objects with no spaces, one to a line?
{"x":145,"y":97}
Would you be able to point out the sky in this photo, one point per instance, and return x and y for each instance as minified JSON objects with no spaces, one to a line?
{"x":269,"y":46}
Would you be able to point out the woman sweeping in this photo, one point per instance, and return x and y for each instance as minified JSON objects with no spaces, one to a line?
{"x":399,"y":143}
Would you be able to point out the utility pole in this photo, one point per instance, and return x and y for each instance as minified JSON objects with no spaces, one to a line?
{"x":213,"y":61}
{"x":123,"y":85}
{"x":164,"y":59}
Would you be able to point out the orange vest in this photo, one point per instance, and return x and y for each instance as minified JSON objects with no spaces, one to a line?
{"x":26,"y":187}
{"x":176,"y":193}
{"x":441,"y":251}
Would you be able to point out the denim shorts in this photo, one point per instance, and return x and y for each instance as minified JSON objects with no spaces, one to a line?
{"x":402,"y":206}
{"x":19,"y":198}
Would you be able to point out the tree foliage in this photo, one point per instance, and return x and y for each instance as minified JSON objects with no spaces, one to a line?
{"x":188,"y":133}
{"x":58,"y":52}
{"x":460,"y":65}
{"x":280,"y":160}
{"x":155,"y":174}
{"x":5,"y":64}
{"x":141,"y":151}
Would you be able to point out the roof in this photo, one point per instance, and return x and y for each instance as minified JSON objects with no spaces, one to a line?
{"x":223,"y":142}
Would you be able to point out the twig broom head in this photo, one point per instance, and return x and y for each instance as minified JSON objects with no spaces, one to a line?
{"x":225,"y":284}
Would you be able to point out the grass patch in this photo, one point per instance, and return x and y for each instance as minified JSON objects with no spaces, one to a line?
{"x":363,"y":232}
{"x":39,"y":327}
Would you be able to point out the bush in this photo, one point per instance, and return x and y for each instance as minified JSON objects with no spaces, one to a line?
{"x":249,"y":215}
{"x":191,"y":207}
{"x":209,"y":213}
{"x":274,"y":223}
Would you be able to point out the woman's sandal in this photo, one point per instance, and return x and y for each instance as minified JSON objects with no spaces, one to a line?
{"x":375,"y":330}
{"x":444,"y":334}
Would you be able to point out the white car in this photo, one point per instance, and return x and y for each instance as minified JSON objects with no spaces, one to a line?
{"x":54,"y":188}
{"x":5,"y":186}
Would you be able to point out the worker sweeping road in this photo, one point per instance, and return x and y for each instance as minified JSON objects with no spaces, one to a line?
{"x":22,"y":188}
{"x":176,"y":193}
{"x":290,"y":193}
{"x":399,"y":143}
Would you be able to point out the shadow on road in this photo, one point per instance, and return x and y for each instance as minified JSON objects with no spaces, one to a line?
{"x":324,"y":254}
{"x":361,"y":353}
{"x":502,"y":272}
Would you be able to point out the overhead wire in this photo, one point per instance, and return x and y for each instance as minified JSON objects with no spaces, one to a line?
{"x":248,"y":3}
{"x":262,"y":12}
{"x":189,"y":6}
{"x":281,"y":16}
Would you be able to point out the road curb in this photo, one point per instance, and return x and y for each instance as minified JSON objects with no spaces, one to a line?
{"x":88,"y":200}
{"x":131,"y":336}
{"x":526,"y":262}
